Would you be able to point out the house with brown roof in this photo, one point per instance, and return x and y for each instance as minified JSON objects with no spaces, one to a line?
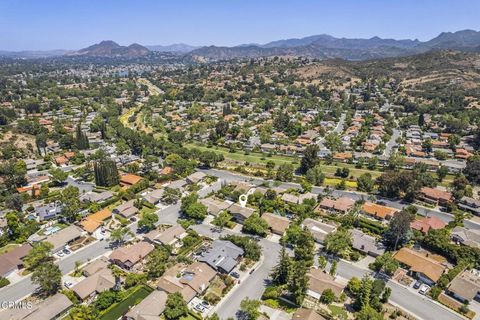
{"x":421,"y":265}
{"x":240,"y":213}
{"x":54,"y":307}
{"x":340,"y":205}
{"x":170,"y":236}
{"x":306,"y":314}
{"x":127,"y":257}
{"x":318,"y":229}
{"x":378,"y":211}
{"x":424,"y":224}
{"x":215,"y":206}
{"x":126,"y":209}
{"x":435,"y":196}
{"x":319,"y":281}
{"x":190,"y":281}
{"x":128,"y":179}
{"x":149,"y":308}
{"x":276,"y":223}
{"x":95,"y":220}
{"x":465,"y":286}
{"x":100,"y":281}
{"x":95,"y":266}
{"x":12,"y":260}
{"x":62,"y":238}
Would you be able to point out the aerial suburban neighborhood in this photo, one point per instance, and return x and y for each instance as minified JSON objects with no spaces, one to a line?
{"x":304,"y":179}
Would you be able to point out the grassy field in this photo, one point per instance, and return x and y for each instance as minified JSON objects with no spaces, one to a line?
{"x":8,"y":248}
{"x":338,"y":312}
{"x":119,"y":309}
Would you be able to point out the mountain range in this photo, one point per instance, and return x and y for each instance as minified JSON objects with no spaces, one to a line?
{"x":321,"y":46}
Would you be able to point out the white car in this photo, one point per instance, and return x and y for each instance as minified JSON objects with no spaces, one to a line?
{"x":423,"y":289}
{"x":68,"y":284}
{"x":200,"y":308}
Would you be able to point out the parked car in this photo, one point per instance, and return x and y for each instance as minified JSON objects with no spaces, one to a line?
{"x":235,"y":275}
{"x":68,"y":284}
{"x":417,"y":284}
{"x":423,"y":289}
{"x":200,"y":308}
{"x":66,"y":251}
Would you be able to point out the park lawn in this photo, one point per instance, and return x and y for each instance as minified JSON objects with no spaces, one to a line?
{"x":8,"y":247}
{"x":119,"y":309}
{"x":334,"y":181}
{"x":338,"y":312}
{"x":124,"y":117}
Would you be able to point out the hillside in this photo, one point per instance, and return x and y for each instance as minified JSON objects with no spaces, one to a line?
{"x":112,"y":49}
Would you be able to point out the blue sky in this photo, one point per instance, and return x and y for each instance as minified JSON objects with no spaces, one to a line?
{"x":73,"y":24}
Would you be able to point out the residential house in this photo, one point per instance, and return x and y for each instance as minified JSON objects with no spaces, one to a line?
{"x":128,"y":257}
{"x":421,"y":265}
{"x":97,"y":197}
{"x":223,"y":256}
{"x":195,"y":177}
{"x":128,"y":179}
{"x":189,"y":281}
{"x":62,"y":238}
{"x":470,"y":205}
{"x":319,"y":281}
{"x":277,"y":224}
{"x":240,"y":213}
{"x":95,"y":220}
{"x":340,"y":205}
{"x":95,"y":266}
{"x":171,"y":236}
{"x":290,"y":198}
{"x":154,"y":197}
{"x":366,"y":243}
{"x":126,"y":209}
{"x":12,"y":260}
{"x":466,"y":236}
{"x":242,"y":186}
{"x":54,"y":307}
{"x":378,"y":211}
{"x":149,"y":308}
{"x":465,"y":286}
{"x":215,"y":206}
{"x":100,"y":281}
{"x":424,"y":224}
{"x":435,"y":196}
{"x":318,"y":229}
{"x":306,"y":314}
{"x":48,"y":211}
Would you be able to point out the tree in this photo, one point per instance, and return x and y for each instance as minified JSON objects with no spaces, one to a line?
{"x":442,"y":172}
{"x":472,"y":170}
{"x":175,"y":307}
{"x":69,"y":198}
{"x":338,"y":242}
{"x":322,"y":262}
{"x":48,"y":276}
{"x":354,"y":285}
{"x":250,"y":308}
{"x":118,"y":235}
{"x":58,"y":176}
{"x":83,"y":312}
{"x":333,"y":142}
{"x":222,"y":219}
{"x":281,"y":271}
{"x":385,"y":262}
{"x":106,"y":173}
{"x":255,"y":225}
{"x":364,"y":294}
{"x":327,"y":296}
{"x":156,"y":262}
{"x":304,"y":247}
{"x":315,"y":176}
{"x":298,"y":282}
{"x":365,"y":183}
{"x":148,"y":220}
{"x":40,"y":254}
{"x":171,"y":195}
{"x":285,"y":172}
{"x":196,"y":211}
{"x":14,"y":202}
{"x":81,"y":139}
{"x":310,"y":158}
{"x":333,"y":268}
{"x":368,"y":313}
{"x":399,"y":230}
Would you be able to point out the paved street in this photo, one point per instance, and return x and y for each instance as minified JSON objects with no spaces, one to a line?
{"x":391,"y":143}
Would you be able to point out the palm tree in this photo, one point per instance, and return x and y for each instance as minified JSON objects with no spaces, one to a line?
{"x":118,"y":236}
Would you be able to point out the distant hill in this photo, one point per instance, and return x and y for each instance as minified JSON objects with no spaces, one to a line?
{"x":112,"y":49}
{"x":176,"y":47}
{"x":33,"y":53}
{"x":325,"y":47}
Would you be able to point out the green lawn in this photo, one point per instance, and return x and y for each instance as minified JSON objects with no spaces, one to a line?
{"x":338,"y":312}
{"x":119,"y":309}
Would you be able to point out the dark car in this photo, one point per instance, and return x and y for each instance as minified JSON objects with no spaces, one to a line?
{"x":235,"y":275}
{"x":417,"y":284}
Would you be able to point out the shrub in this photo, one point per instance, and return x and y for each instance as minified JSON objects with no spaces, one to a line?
{"x":4,"y":282}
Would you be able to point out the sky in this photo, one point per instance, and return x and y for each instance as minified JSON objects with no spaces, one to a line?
{"x":75,"y":24}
